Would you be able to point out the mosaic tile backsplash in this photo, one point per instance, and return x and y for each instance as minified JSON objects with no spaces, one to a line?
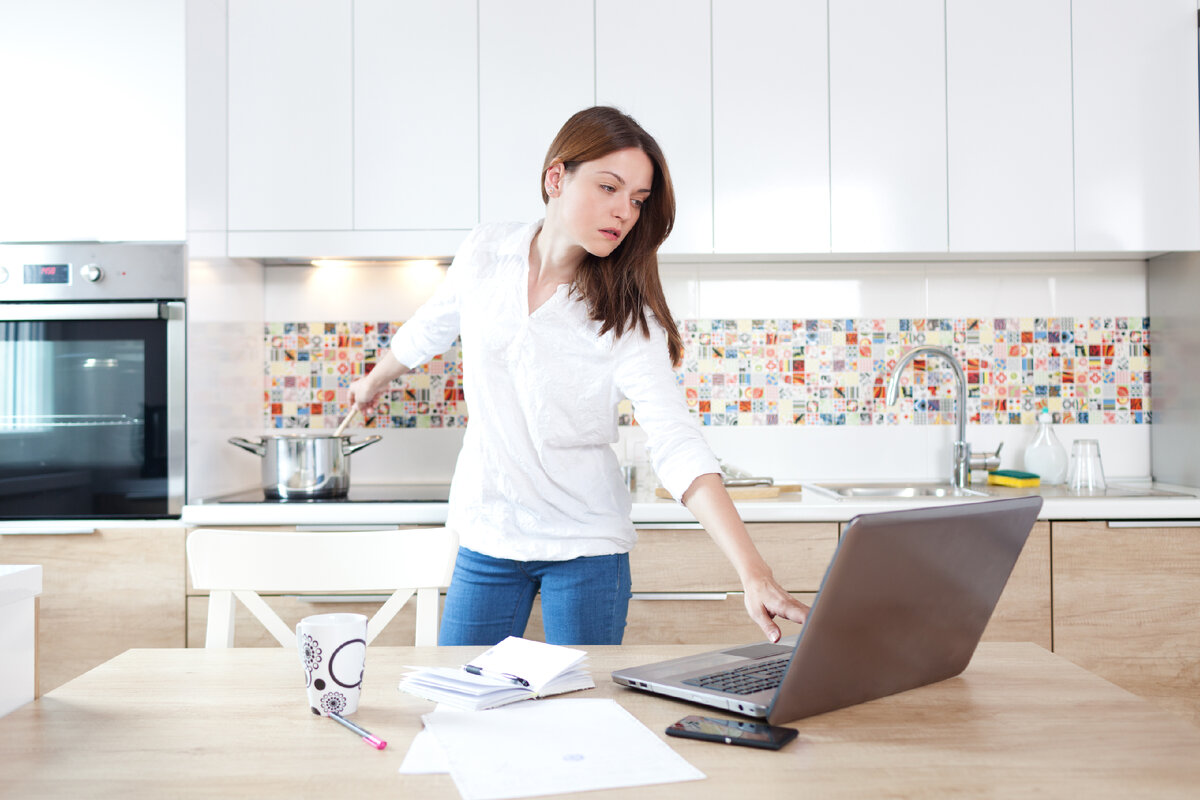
{"x":1093,"y":370}
{"x":310,"y":365}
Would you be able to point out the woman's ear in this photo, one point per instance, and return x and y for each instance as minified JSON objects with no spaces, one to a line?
{"x":554,"y":177}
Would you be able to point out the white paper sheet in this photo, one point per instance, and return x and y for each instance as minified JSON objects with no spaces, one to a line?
{"x":551,"y":747}
{"x":425,"y":755}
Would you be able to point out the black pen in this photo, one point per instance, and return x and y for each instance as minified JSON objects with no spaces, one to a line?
{"x":370,"y":739}
{"x":504,"y":676}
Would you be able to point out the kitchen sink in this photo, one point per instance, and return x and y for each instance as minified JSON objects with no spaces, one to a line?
{"x":919,"y":490}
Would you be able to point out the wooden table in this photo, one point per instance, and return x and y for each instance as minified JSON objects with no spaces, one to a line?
{"x":234,"y":723}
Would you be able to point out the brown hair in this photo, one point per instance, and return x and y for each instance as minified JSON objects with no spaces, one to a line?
{"x":620,"y":287}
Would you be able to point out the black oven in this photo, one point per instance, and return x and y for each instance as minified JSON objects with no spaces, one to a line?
{"x":92,"y":381}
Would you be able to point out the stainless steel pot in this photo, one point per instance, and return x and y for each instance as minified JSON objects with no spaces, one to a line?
{"x":304,"y":465}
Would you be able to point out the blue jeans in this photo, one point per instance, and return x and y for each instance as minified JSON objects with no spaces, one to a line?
{"x":584,"y":600}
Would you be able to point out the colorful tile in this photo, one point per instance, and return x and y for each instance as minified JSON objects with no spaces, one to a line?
{"x":1093,"y":370}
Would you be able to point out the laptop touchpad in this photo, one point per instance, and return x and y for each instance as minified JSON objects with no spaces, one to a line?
{"x":758,"y":651}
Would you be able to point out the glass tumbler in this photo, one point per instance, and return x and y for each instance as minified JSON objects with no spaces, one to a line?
{"x":1085,"y":474}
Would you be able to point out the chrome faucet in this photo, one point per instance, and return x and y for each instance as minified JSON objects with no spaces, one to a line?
{"x":960,"y":477}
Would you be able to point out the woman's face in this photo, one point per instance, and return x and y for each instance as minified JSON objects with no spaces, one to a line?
{"x":600,"y":201}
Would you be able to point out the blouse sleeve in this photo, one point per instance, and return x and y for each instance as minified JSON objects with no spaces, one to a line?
{"x":436,"y":324}
{"x":677,"y":448}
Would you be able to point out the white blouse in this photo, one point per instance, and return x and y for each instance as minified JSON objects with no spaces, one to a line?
{"x":537,"y":478}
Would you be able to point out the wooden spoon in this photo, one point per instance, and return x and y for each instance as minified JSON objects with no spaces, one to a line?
{"x":346,"y":421}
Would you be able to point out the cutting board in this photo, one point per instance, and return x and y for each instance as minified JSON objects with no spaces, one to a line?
{"x":747,"y":492}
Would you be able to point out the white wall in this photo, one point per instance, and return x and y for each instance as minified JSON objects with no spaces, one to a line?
{"x":225,"y":369}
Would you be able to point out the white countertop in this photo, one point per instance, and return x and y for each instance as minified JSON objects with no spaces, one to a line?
{"x":806,"y":506}
{"x":19,"y":582}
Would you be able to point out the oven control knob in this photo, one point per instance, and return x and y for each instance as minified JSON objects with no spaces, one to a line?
{"x":91,"y":272}
{"x":3,"y":275}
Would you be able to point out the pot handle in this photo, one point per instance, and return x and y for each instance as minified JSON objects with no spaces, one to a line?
{"x":259,"y":448}
{"x":349,"y":447}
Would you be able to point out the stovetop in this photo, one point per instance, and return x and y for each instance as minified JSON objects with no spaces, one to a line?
{"x":365,"y":493}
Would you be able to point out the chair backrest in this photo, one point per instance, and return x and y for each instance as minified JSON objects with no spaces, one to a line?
{"x":242,"y":563}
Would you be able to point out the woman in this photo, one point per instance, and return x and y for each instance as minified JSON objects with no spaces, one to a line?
{"x":559,"y":319}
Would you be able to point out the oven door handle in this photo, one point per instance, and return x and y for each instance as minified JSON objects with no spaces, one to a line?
{"x":29,"y":312}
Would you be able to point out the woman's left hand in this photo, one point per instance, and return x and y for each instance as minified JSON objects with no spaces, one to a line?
{"x":765,"y":599}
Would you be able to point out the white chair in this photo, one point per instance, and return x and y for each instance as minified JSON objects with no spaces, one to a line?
{"x":242,"y":563}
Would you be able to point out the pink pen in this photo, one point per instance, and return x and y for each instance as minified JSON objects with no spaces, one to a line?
{"x":370,"y":739}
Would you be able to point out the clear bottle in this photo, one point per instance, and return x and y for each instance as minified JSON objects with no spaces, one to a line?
{"x":1045,"y":456}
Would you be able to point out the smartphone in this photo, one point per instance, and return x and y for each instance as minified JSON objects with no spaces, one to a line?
{"x":732,"y":731}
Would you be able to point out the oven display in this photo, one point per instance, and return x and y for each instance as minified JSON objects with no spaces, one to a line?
{"x":47,"y":273}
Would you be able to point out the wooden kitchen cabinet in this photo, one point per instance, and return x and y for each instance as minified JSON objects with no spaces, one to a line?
{"x":1008,"y":107}
{"x":1023,"y":613}
{"x":1136,"y":125}
{"x":659,"y":71}
{"x":102,"y":593}
{"x":686,"y":592}
{"x":1127,"y":607}
{"x":887,"y":122}
{"x":770,"y":126}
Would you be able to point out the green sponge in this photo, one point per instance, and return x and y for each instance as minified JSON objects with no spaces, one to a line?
{"x":1012,"y":477}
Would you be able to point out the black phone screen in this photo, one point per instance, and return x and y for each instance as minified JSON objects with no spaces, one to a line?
{"x":732,"y":731}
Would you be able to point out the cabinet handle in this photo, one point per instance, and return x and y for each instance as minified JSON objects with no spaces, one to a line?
{"x":59,"y":531}
{"x":681,"y":595}
{"x":1154,"y":523}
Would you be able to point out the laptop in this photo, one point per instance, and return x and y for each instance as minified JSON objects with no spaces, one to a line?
{"x":903,"y":604}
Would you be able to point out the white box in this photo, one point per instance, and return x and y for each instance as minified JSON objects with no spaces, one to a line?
{"x":19,"y":586}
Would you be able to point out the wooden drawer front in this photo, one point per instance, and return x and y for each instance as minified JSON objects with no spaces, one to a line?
{"x":249,"y":632}
{"x":1023,"y":613}
{"x":718,"y":619}
{"x":102,"y":593}
{"x":690,"y":561}
{"x":1127,"y":607}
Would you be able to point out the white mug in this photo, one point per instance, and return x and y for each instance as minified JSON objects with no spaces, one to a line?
{"x":333,"y":649}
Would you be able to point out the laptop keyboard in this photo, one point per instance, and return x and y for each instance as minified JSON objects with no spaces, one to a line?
{"x":744,"y":680}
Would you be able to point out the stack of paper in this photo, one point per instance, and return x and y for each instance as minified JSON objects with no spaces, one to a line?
{"x":516,"y":669}
{"x":554,"y":747}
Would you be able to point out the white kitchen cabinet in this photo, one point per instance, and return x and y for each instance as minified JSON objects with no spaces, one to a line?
{"x":653,"y":62}
{"x":416,"y":126}
{"x":92,"y":139}
{"x":207,"y":112}
{"x":536,"y":69}
{"x":770,"y":126}
{"x":887,"y":107}
{"x":1009,"y":125}
{"x":290,"y":115}
{"x":1136,"y":125}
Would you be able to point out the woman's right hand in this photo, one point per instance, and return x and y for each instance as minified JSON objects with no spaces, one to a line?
{"x":366,"y":390}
